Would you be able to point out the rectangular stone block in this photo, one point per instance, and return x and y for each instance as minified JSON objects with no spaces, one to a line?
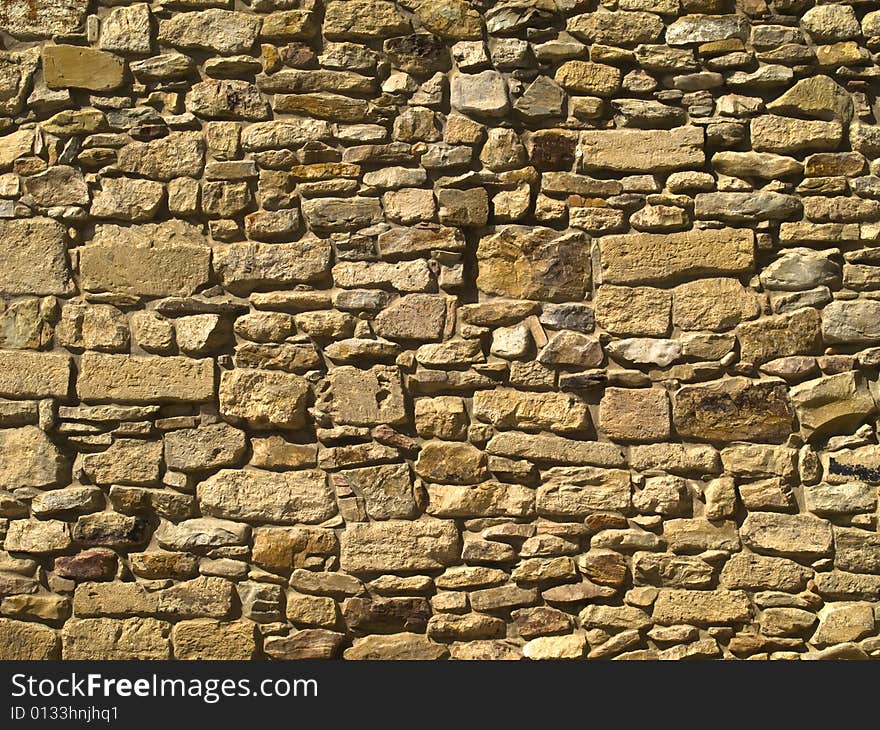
{"x":144,"y":379}
{"x":664,"y":258}
{"x":392,"y":546}
{"x":642,"y":151}
{"x":34,"y":374}
{"x":34,"y":256}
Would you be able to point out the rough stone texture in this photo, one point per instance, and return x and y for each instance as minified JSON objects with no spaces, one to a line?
{"x":418,"y":329}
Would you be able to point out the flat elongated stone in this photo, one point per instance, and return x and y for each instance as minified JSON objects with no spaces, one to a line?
{"x":150,"y":260}
{"x":732,"y":410}
{"x":222,"y":31}
{"x":83,"y":68}
{"x":27,"y":641}
{"x":642,"y":151}
{"x":261,"y":496}
{"x":139,"y":379}
{"x":22,"y":19}
{"x":641,"y":258}
{"x":680,"y":606}
{"x":508,"y":408}
{"x":787,"y":535}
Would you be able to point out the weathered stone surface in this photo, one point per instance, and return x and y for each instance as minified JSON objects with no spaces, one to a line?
{"x":57,"y":17}
{"x":734,"y":409}
{"x":641,"y":258}
{"x":139,"y":379}
{"x":508,"y":408}
{"x":264,"y":398}
{"x":439,"y":329}
{"x":207,"y":447}
{"x":26,"y":641}
{"x":34,"y":252}
{"x":534,"y":263}
{"x":393,"y":546}
{"x":216,"y":30}
{"x":833,"y":402}
{"x":633,"y":150}
{"x":83,"y":68}
{"x":163,"y":259}
{"x":677,"y":606}
{"x":107,"y":638}
{"x":787,"y":535}
{"x":260,"y":496}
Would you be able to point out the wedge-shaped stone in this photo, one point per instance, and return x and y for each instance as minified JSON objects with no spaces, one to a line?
{"x":527,"y":262}
{"x":399,"y":546}
{"x":795,"y":536}
{"x":642,"y":151}
{"x":34,"y":374}
{"x":736,"y":409}
{"x":509,"y":408}
{"x":154,"y":260}
{"x":763,"y":165}
{"x":679,"y":606}
{"x":143,"y":379}
{"x":34,"y":255}
{"x":402,"y":647}
{"x":836,"y":403}
{"x":253,"y":495}
{"x":639,"y":258}
{"x":817,"y":97}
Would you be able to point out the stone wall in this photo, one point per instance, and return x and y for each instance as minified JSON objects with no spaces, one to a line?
{"x":439,"y":328}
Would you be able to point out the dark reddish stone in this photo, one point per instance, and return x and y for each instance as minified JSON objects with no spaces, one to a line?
{"x":92,"y":564}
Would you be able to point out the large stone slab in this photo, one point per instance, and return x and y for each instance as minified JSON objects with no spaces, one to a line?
{"x":642,"y":151}
{"x":153,"y":260}
{"x":664,"y":258}
{"x":254,"y":495}
{"x":144,"y":379}
{"x":34,"y":374}
{"x":736,"y":409}
{"x":792,"y":536}
{"x":399,"y":546}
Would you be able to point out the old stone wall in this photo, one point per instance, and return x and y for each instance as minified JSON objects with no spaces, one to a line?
{"x":439,"y":328}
